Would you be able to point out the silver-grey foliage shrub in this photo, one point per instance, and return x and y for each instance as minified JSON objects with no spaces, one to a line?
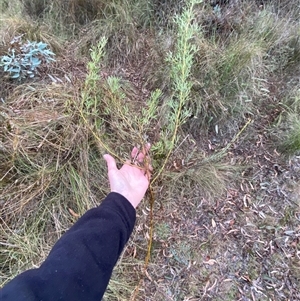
{"x":23,"y":58}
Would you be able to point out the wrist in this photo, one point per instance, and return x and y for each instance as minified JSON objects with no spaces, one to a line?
{"x":130,"y":198}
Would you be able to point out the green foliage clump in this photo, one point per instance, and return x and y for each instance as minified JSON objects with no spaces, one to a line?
{"x":181,"y":62}
{"x":105,"y":107}
{"x":291,"y":143}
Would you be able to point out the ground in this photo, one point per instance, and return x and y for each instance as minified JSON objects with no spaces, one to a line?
{"x":217,"y":95}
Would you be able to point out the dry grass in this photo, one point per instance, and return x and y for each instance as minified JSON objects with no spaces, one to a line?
{"x":226,"y":211}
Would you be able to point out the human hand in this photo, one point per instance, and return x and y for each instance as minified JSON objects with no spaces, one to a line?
{"x":130,"y":181}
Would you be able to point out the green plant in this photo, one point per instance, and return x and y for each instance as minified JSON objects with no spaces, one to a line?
{"x":90,"y":97}
{"x":291,"y":143}
{"x":106,"y":109}
{"x":181,"y":62}
{"x":23,"y":59}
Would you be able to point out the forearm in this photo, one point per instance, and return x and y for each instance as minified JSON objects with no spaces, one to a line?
{"x":81,"y":262}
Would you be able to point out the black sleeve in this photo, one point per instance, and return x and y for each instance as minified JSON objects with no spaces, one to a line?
{"x":81,"y":262}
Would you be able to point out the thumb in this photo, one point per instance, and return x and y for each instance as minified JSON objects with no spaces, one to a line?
{"x":110,"y":161}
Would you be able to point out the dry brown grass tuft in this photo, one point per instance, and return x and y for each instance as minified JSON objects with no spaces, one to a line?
{"x":49,"y":171}
{"x":36,"y":136}
{"x":12,"y":27}
{"x":70,"y":11}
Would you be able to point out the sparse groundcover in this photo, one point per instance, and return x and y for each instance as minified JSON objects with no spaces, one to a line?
{"x":214,"y":87}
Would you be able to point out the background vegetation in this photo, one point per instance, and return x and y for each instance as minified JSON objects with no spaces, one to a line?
{"x":213,"y":86}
